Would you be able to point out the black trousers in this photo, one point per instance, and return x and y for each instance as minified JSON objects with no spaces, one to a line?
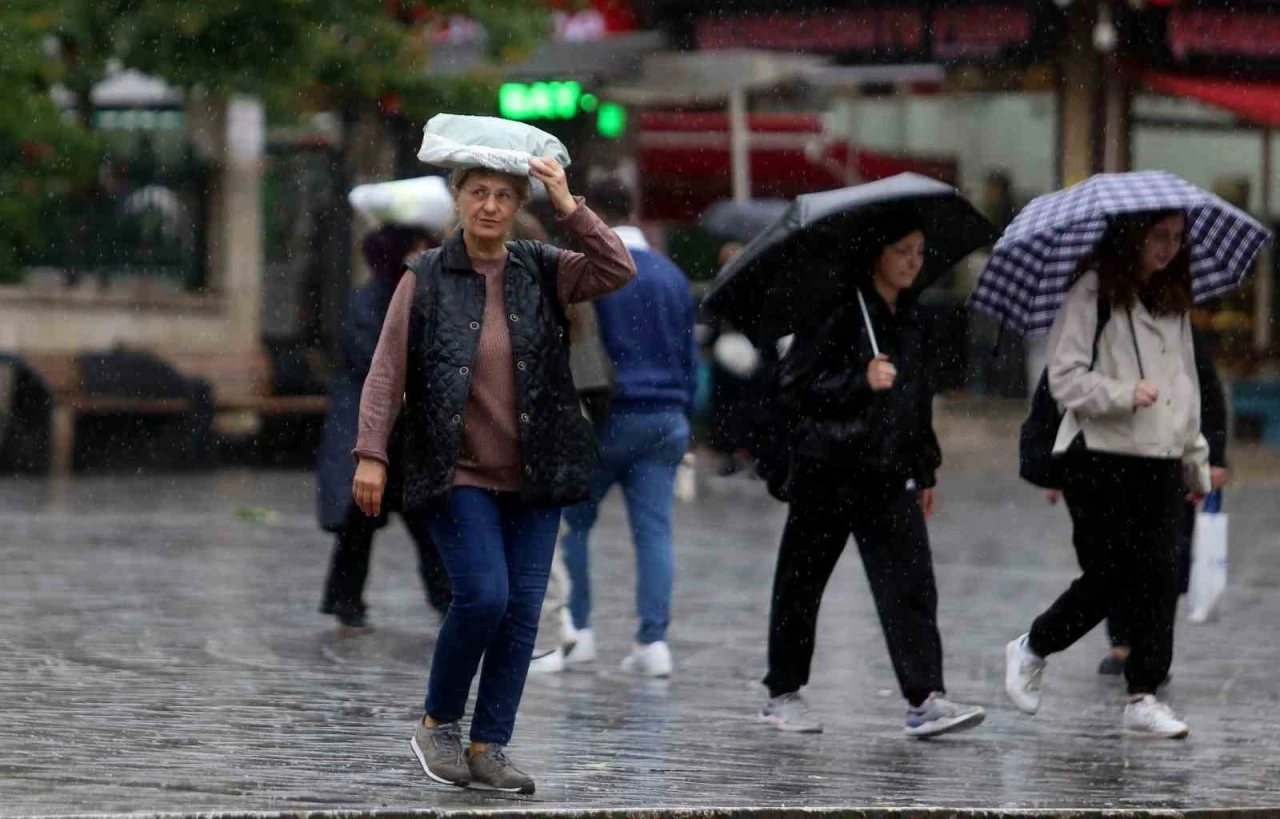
{"x":349,"y":566}
{"x":1117,"y":629}
{"x":890,"y":530}
{"x":1127,"y":514}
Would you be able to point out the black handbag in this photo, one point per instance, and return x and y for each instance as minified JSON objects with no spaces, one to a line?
{"x":1036,"y":462}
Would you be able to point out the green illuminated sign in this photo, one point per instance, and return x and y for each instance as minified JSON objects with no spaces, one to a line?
{"x":560,"y":100}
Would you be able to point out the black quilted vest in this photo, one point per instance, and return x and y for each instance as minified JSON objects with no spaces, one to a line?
{"x":558,"y":450}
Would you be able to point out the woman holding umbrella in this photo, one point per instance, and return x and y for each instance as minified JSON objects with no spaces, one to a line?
{"x":864,"y":463}
{"x":854,"y":450}
{"x":1110,"y":263}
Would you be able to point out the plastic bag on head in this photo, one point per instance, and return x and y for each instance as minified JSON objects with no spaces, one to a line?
{"x":456,"y":141}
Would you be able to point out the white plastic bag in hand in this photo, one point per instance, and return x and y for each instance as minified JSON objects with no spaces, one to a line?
{"x":1208,"y":567}
{"x":456,"y":141}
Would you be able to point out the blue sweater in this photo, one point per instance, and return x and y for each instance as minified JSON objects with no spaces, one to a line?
{"x":647,"y":329}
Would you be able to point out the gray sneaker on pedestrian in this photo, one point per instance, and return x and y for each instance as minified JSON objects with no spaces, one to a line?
{"x":790,"y":713}
{"x":938,"y":715}
{"x":491,"y":770}
{"x":439,"y":751}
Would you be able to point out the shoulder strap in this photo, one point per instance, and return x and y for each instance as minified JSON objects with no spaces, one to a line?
{"x":1104,"y":315}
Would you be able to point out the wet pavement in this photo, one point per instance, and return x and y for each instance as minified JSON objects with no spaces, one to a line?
{"x":160,"y":652}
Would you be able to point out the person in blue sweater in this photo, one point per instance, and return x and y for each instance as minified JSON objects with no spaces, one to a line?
{"x":647,"y":330}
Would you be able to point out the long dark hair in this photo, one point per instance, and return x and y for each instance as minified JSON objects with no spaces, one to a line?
{"x":1117,"y":260}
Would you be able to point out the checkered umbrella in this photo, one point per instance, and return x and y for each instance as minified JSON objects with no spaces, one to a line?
{"x":1026,"y":279}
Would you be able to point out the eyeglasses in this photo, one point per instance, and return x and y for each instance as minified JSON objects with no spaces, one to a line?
{"x":481,"y":194}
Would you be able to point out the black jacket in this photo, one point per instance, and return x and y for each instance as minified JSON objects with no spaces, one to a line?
{"x":1213,"y":402}
{"x":335,"y":468}
{"x":557,"y":447}
{"x":844,"y":432}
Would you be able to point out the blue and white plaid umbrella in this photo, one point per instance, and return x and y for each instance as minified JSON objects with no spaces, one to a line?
{"x":1026,"y":279}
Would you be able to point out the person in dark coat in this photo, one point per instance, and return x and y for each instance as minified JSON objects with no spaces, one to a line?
{"x":385,"y":252}
{"x":862,"y":461}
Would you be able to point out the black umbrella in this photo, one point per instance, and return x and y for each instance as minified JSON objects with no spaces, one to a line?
{"x":742,"y":221}
{"x":802,"y":265}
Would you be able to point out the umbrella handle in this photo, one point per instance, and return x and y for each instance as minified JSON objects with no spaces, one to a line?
{"x":866,"y":316}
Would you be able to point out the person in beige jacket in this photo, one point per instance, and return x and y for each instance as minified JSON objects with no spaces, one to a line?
{"x":1133,"y":453}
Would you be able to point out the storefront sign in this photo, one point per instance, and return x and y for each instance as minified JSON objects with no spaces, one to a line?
{"x":560,"y":101}
{"x":1206,"y":38}
{"x":973,"y":33}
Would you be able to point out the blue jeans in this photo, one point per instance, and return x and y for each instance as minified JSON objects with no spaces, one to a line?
{"x":641,"y":452}
{"x":497,"y":550}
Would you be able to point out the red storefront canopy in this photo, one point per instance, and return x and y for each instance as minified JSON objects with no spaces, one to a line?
{"x":1256,"y":102}
{"x":684,"y":161}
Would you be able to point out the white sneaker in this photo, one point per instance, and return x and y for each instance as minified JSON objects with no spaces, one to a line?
{"x":1022,"y":673}
{"x":652,"y":660}
{"x":938,"y":715}
{"x":568,"y":634}
{"x":550,"y":663}
{"x":583,"y":650}
{"x":790,"y":713}
{"x":1150,"y":717}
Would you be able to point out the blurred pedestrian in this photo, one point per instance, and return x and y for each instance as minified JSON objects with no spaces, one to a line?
{"x":737,"y":374}
{"x":386,"y":251}
{"x":1122,"y":364}
{"x":647,"y":330}
{"x":474,"y":347}
{"x":862,"y":460}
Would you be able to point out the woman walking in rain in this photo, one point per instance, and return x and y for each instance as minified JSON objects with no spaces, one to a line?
{"x":475,"y":347}
{"x":1123,"y":367}
{"x":386,"y":251}
{"x":863,"y":460}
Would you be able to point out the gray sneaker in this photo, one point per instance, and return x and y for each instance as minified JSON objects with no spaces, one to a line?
{"x":789,"y":712}
{"x":439,"y":751}
{"x":939,"y":715}
{"x":491,"y":770}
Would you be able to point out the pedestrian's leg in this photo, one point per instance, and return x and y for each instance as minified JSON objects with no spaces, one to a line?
{"x":468,"y":532}
{"x":815,"y":536}
{"x":529,"y":538}
{"x":648,"y":489}
{"x":349,"y":567}
{"x":894,"y":542}
{"x":1096,"y":500}
{"x":435,"y":579}
{"x":557,"y":597}
{"x":580,"y":519}
{"x":1150,"y":565}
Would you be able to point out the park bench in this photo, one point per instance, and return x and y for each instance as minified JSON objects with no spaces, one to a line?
{"x":240,"y":383}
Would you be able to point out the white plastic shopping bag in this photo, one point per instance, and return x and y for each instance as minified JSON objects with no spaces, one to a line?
{"x":1208,"y":562}
{"x":456,"y":141}
{"x":425,"y":202}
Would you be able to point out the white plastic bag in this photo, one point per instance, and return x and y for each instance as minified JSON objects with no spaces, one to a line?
{"x":424,"y":202}
{"x":456,"y":141}
{"x":1208,"y":567}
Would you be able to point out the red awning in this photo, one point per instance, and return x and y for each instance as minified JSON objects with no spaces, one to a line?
{"x":684,"y":161}
{"x":1256,"y":102}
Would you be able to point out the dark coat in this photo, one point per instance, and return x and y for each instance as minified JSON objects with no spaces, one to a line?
{"x":1213,"y":401}
{"x":558,"y":450}
{"x":844,"y":433}
{"x":335,"y":466}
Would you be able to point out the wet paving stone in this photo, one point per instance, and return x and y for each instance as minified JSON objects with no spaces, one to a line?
{"x":160,"y":651}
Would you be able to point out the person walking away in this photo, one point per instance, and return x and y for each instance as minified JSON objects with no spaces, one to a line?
{"x":385,"y":251}
{"x":474,"y":347}
{"x":1133,"y":453}
{"x":647,"y":329}
{"x":862,"y":460}
{"x":593,"y":378}
{"x":1213,"y":425}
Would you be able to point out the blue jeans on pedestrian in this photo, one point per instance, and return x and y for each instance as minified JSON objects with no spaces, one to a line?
{"x":497,"y":550}
{"x":640,"y":451}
